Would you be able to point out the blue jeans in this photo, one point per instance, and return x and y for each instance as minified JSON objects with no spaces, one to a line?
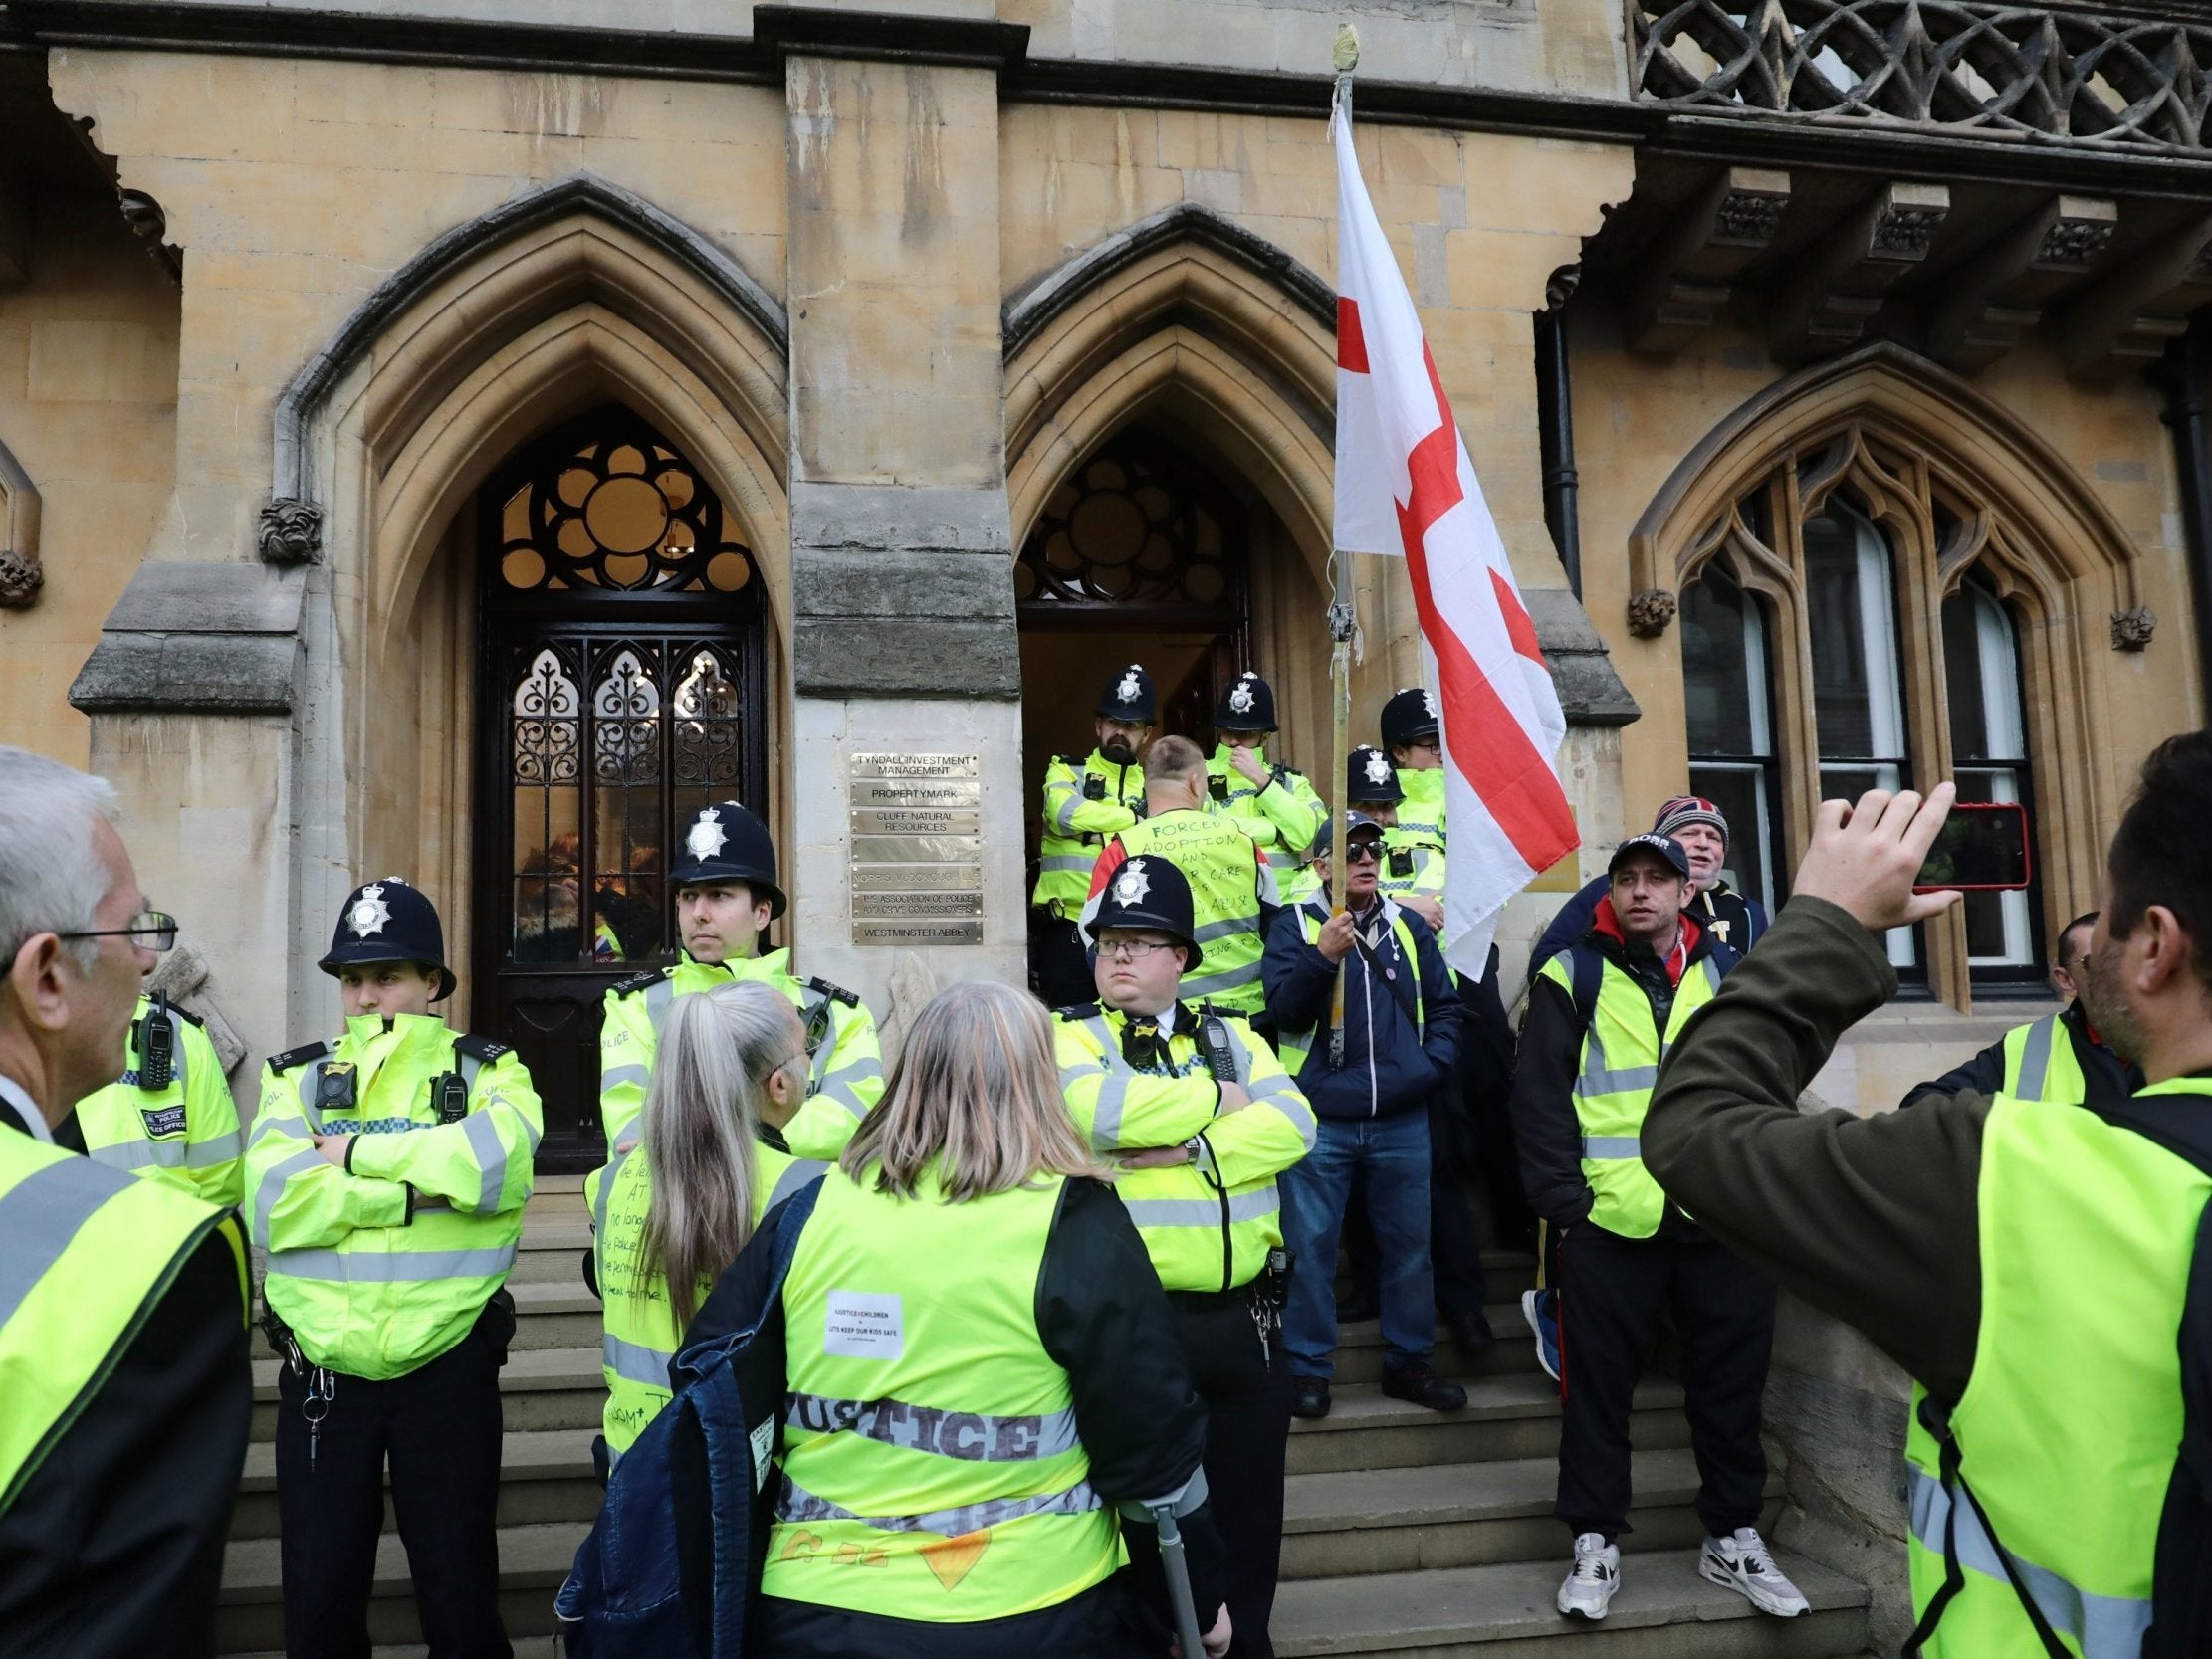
{"x":1393,"y":1152}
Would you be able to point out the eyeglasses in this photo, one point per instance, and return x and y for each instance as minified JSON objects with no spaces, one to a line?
{"x":156,"y":930}
{"x":785,"y":1064}
{"x":1133,"y":950}
{"x":1363,"y":852}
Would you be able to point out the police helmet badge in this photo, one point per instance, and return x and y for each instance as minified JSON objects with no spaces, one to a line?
{"x":1429,"y":702}
{"x":1378,"y":770}
{"x":1240,"y":695}
{"x":707,"y":836}
{"x":1128,"y":690}
{"x":1131,"y":886}
{"x":370,"y":912}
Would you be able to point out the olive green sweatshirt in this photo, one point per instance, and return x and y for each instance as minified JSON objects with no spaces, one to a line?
{"x":1873,"y":1219}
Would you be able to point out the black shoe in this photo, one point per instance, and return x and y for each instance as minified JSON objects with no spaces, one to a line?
{"x":1470,"y":1333}
{"x":1420,"y":1383}
{"x":1355,"y":1306}
{"x":1309,"y":1396}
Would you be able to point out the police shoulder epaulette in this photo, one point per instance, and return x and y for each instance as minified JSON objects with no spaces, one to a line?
{"x":836,"y":993}
{"x":1077,"y":1011}
{"x":1078,"y":761}
{"x":298,"y":1056}
{"x":638,"y":981}
{"x":1289,"y":771}
{"x":480,"y":1048}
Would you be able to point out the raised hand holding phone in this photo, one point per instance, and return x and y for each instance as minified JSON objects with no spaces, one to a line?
{"x":1866,"y":857}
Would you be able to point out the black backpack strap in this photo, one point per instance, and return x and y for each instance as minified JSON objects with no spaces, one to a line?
{"x":1587,"y":969}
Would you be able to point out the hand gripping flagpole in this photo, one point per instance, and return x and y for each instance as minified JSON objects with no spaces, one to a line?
{"x":1342,"y":620}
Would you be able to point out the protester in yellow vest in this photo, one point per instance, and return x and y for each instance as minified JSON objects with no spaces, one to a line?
{"x":672,"y":1210}
{"x":2058,"y":1057}
{"x":725,"y":881}
{"x":170,"y":1116}
{"x":2030,"y":1268}
{"x":1602,"y":1015}
{"x":1201,"y":1118}
{"x":386,"y":1177}
{"x":125,"y":1394}
{"x":1232,"y":888}
{"x":1086,"y":799}
{"x":980,"y":1364}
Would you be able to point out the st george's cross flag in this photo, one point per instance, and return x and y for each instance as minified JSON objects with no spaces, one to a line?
{"x":1405,"y":485}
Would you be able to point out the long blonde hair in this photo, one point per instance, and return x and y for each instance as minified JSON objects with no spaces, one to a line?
{"x":974,"y":1091}
{"x":701,"y":1118}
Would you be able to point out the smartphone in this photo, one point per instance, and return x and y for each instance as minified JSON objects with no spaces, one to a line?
{"x":1982,"y":847}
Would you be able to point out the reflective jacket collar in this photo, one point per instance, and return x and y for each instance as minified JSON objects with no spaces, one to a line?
{"x":770,"y":969}
{"x":374,"y":1041}
{"x":1224,"y":757}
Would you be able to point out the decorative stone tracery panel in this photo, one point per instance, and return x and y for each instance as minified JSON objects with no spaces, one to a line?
{"x":21,"y":575}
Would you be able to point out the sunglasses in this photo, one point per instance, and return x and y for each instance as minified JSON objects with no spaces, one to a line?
{"x":1369,"y":851}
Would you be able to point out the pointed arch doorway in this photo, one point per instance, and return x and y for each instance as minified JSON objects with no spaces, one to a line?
{"x":621,"y":688}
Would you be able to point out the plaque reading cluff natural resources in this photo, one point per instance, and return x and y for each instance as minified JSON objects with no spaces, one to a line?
{"x":917,"y":848}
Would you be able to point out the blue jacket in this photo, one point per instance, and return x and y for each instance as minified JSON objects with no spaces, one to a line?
{"x":1733,"y":919}
{"x":1390,"y":1064}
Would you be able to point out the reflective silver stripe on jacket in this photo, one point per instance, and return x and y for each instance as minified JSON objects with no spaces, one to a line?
{"x":1113,"y":1089}
{"x":1213,"y":930}
{"x":40,"y":1214}
{"x":1252,"y":1205}
{"x":621,"y":1151}
{"x":970,"y":1436}
{"x":172,"y":1155}
{"x":1597,"y":1079}
{"x":1079,"y":864}
{"x":658,"y":995}
{"x":1214,"y":984}
{"x":2105,"y":1626}
{"x":635,"y":1363}
{"x":614,"y":1076}
{"x":793,"y":1178}
{"x":340,"y":1267}
{"x":491,"y":1159}
{"x":1064,"y":816}
{"x":2035,"y":1058}
{"x":271,"y":1188}
{"x":794,"y":1502}
{"x":1599,"y":1147}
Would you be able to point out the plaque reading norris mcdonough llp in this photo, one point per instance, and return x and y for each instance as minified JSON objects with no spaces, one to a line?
{"x":917,"y":848}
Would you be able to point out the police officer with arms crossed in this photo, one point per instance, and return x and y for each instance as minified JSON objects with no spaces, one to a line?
{"x":2058,"y":1057}
{"x":1273,"y":805}
{"x":1413,"y":863}
{"x":724,"y":875}
{"x":1233,"y":887}
{"x":1601,"y":1016}
{"x":387,"y":1173}
{"x":2030,"y":1268}
{"x":1201,"y":1118}
{"x":124,"y":1392}
{"x":170,"y":1116}
{"x":1085,"y":801}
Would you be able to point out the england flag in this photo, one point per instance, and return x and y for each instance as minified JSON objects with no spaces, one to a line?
{"x":1405,"y":485}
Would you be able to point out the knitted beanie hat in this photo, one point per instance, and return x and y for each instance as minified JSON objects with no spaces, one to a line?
{"x":1689,"y":809}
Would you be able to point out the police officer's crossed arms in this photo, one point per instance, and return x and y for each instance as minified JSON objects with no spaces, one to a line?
{"x":724,"y":871}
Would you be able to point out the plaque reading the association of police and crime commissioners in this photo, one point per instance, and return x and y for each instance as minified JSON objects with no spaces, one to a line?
{"x":917,"y":848}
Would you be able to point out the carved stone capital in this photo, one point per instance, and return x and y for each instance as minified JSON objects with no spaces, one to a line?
{"x":1903,"y":230}
{"x":291,"y":531}
{"x":2132,"y":628}
{"x":1649,"y":612}
{"x":20,"y":580}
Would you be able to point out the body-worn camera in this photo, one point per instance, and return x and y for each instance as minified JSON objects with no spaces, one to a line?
{"x":1401,"y":861}
{"x":1094,"y":787}
{"x":1216,"y":785}
{"x":338,"y":1089}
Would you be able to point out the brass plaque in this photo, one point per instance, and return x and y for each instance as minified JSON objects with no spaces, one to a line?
{"x":915,"y":765}
{"x":899,"y":791}
{"x":897,"y":878}
{"x":918,"y":821}
{"x":917,"y":848}
{"x":918,"y":932}
{"x":918,"y":904}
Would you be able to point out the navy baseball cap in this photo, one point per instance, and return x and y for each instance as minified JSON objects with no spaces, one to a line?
{"x":1665,"y":846}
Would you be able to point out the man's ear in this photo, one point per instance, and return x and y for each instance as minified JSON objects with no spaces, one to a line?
{"x":39,"y":983}
{"x":2160,"y":949}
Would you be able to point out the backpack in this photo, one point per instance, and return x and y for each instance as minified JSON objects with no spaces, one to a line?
{"x":645,"y":1586}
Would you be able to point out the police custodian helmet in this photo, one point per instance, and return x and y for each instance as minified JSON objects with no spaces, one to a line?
{"x":1128,"y":697}
{"x":1247,"y":704}
{"x":1149,"y":893}
{"x":1409,"y":718}
{"x":728,"y":843}
{"x":387,"y":920}
{"x":1369,"y":776}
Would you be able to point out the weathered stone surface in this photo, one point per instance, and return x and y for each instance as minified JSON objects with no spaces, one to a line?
{"x":925,"y":657}
{"x":222,"y":638}
{"x":1590,"y":691}
{"x":178,"y":599}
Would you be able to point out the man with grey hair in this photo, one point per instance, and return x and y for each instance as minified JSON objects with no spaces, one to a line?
{"x":122,"y":1302}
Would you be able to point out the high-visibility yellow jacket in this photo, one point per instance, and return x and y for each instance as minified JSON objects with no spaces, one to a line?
{"x":184,"y":1132}
{"x":1421,"y":815}
{"x":1208,"y":1224}
{"x":1284,"y":814}
{"x":1085,"y":801}
{"x":380,"y":1266}
{"x":641,"y":1336}
{"x":86,"y":1252}
{"x":1232,"y":888}
{"x":843,"y":1083}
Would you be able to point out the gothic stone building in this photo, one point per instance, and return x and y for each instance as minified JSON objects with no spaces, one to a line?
{"x":456,"y":438}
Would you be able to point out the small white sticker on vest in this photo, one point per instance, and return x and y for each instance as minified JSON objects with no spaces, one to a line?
{"x":864,"y":1325}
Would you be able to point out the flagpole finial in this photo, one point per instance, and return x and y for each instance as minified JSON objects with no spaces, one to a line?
{"x":1346,"y":54}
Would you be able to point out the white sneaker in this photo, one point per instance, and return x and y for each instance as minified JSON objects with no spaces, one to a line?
{"x":1742,"y":1563}
{"x":1588,"y":1591}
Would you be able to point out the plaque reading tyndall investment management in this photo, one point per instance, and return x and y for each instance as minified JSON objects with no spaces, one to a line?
{"x":917,"y":848}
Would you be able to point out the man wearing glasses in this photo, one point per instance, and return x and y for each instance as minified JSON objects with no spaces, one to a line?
{"x":124,"y":1392}
{"x":2057,"y":1058}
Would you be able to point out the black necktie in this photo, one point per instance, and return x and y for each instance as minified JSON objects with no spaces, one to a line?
{"x":1143,"y":1046}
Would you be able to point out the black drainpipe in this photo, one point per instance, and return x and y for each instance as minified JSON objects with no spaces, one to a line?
{"x":1555,"y":420}
{"x":2186,"y":379}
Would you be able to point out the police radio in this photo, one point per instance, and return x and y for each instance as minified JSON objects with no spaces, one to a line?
{"x":1220,"y":1058}
{"x":1216,"y":785}
{"x":157,"y":1046}
{"x":452,"y":1097}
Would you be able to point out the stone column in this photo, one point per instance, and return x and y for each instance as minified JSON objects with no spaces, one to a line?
{"x":902,"y":561}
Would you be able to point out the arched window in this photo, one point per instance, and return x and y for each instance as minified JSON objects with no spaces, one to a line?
{"x":1989,"y":754}
{"x":1729,"y":699}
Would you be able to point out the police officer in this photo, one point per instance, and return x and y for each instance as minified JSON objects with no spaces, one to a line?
{"x":1271,"y":803}
{"x":2058,"y":1057}
{"x":1233,"y":887}
{"x":1085,"y":801}
{"x":1412,"y":860}
{"x":1415,"y":739}
{"x":170,"y":1116}
{"x":1201,"y":1118}
{"x":724,"y":875}
{"x":387,"y":1173}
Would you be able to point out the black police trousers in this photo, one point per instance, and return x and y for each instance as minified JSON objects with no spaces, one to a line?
{"x":1246,"y":1390}
{"x":440,"y":1427}
{"x":1612,"y":1291}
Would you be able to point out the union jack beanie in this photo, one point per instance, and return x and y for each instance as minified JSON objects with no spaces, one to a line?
{"x":1689,"y":809}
